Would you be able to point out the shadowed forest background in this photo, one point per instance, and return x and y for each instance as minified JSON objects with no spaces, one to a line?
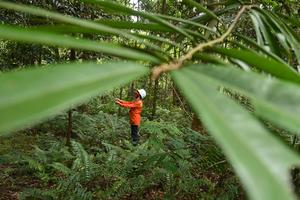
{"x":220,"y":121}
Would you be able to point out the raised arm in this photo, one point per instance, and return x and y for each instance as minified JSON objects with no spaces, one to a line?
{"x":122,"y":101}
{"x":129,"y":104}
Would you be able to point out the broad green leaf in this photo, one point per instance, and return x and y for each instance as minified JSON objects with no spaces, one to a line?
{"x":31,"y":95}
{"x":263,"y":169}
{"x":189,"y":22}
{"x":280,"y":26}
{"x":76,"y":29}
{"x":268,"y":38}
{"x":249,"y":41}
{"x":64,"y":28}
{"x":271,"y":35}
{"x":254,"y":51}
{"x":293,"y":20}
{"x":119,"y":8}
{"x":72,"y":20}
{"x":122,"y":24}
{"x":284,"y":43}
{"x":259,"y":37}
{"x":209,"y":58}
{"x":267,"y":64}
{"x":206,"y":18}
{"x":241,"y":64}
{"x":40,"y":37}
{"x":274,"y":99}
{"x":158,"y":39}
{"x":196,"y":34}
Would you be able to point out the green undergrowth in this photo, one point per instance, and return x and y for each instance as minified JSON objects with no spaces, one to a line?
{"x":171,"y":161}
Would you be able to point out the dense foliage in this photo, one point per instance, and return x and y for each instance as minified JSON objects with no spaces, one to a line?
{"x":223,"y":87}
{"x":171,"y":162}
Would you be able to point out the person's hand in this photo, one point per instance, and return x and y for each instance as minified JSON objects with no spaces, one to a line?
{"x":117,"y":101}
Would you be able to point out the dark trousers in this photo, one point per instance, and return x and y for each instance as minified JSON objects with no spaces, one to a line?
{"x":135,"y":134}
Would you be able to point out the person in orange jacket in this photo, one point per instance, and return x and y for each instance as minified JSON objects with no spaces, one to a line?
{"x":134,"y":113}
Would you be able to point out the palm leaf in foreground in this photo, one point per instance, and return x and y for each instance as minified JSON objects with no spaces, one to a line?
{"x":263,"y":170}
{"x":31,"y":95}
{"x":81,"y":23}
{"x":119,"y":8}
{"x":273,"y":99}
{"x":40,"y":37}
{"x":261,"y":62}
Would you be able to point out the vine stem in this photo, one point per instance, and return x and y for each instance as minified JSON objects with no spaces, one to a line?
{"x":174,"y":65}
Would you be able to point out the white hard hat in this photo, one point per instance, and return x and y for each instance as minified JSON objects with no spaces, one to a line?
{"x":142,"y":93}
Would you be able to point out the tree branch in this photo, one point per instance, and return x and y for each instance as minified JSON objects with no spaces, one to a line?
{"x":156,"y":71}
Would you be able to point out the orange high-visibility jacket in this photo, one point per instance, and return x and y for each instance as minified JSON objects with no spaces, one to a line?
{"x":135,"y":110}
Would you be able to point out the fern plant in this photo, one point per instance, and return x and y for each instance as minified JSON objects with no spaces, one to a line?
{"x":172,"y":162}
{"x":164,"y":160}
{"x":72,"y":185}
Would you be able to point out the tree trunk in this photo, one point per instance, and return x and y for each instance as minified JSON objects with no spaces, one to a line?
{"x":130,"y":90}
{"x":197,"y":125}
{"x":57,"y":55}
{"x":164,"y":7}
{"x":40,"y":58}
{"x":70,"y":119}
{"x":175,"y":95}
{"x":155,"y":89}
{"x":165,"y":95}
{"x":154,"y":102}
{"x":69,"y":131}
{"x":120,"y":97}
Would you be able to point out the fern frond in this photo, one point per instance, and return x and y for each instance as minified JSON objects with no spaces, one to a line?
{"x":83,"y":158}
